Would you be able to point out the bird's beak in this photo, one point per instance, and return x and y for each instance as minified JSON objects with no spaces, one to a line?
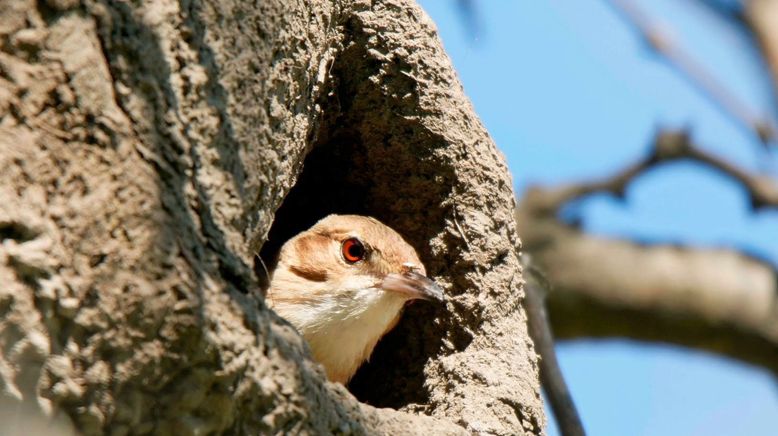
{"x":414,"y":286}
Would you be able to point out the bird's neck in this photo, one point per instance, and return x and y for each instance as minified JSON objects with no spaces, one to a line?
{"x":342,"y":329}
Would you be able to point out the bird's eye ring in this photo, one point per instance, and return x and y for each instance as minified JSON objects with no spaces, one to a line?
{"x":352,"y":249}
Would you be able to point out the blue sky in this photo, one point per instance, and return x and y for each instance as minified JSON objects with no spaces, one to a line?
{"x":569,"y":92}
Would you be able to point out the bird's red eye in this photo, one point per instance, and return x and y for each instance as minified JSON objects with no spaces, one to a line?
{"x":353,"y":250}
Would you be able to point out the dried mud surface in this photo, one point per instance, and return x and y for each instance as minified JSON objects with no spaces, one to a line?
{"x":148,"y":150}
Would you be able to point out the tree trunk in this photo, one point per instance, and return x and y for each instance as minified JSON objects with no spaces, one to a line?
{"x":148,"y":151}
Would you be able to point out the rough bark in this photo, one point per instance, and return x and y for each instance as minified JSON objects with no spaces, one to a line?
{"x":145,"y":150}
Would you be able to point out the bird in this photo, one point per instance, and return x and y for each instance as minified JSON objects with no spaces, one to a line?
{"x":343,"y":284}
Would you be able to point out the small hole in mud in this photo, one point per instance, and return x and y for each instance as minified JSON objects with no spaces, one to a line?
{"x":16,"y":231}
{"x":97,"y":259}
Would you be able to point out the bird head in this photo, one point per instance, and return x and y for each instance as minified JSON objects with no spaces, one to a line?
{"x":343,"y":284}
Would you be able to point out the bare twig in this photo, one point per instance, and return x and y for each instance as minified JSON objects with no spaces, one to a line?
{"x":676,"y":145}
{"x":761,"y":17}
{"x":551,"y":377}
{"x":730,"y":12}
{"x":662,"y":43}
{"x":461,"y":232}
{"x":469,"y":13}
{"x":669,"y":145}
{"x":759,"y":20}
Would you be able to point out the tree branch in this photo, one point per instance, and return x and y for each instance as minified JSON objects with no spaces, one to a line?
{"x":712,"y":299}
{"x":668,"y":146}
{"x":762,"y":18}
{"x":551,"y":377}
